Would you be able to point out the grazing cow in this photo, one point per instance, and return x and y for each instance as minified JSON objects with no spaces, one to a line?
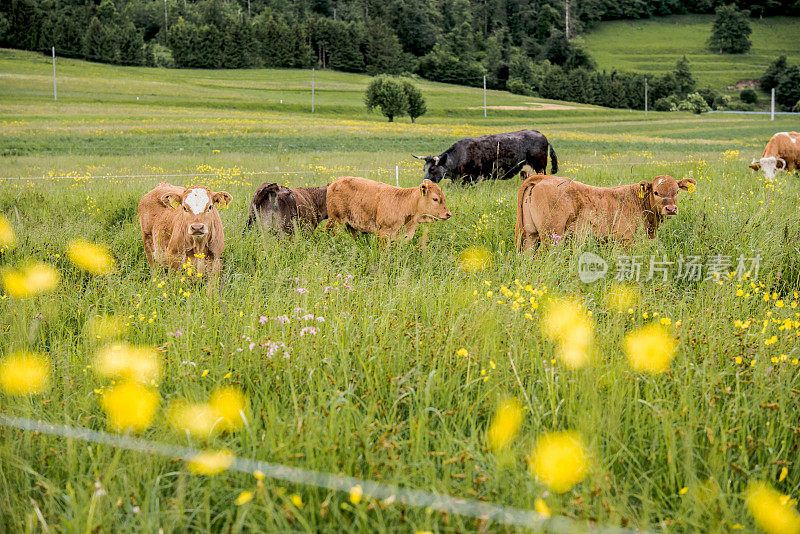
{"x":183,"y":223}
{"x":549,"y":207}
{"x":781,"y":154}
{"x":279,"y":208}
{"x":502,"y":155}
{"x":376,"y":208}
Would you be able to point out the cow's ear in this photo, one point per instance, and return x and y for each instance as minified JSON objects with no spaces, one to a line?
{"x":688,"y":184}
{"x":645,"y":188}
{"x":424,"y":187}
{"x":442,"y":159}
{"x":170,"y":199}
{"x":755,"y":166}
{"x":221,"y":199}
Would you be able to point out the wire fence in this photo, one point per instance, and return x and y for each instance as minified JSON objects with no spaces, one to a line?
{"x":388,"y":493}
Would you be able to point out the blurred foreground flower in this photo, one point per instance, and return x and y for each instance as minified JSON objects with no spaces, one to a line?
{"x":90,"y":257}
{"x":225,"y":411}
{"x":130,"y":406}
{"x":356,"y":492}
{"x":210,"y":462}
{"x":540,"y":506}
{"x":566,"y":324}
{"x":621,"y":297}
{"x":136,"y":363}
{"x":7,"y":237}
{"x":773,"y":511}
{"x":505,"y":425}
{"x":559,"y":460}
{"x":106,"y":326}
{"x":30,"y":280}
{"x":24,"y":373}
{"x":650,"y":349}
{"x":475,"y":259}
{"x":244,"y":498}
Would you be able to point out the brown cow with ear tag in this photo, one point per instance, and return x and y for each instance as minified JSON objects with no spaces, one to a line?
{"x":549,"y":208}
{"x":180,"y":224}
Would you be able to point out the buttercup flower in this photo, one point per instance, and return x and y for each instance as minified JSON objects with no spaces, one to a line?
{"x":650,"y":349}
{"x":559,"y":460}
{"x":24,"y":373}
{"x":130,"y":406}
{"x":505,"y":425}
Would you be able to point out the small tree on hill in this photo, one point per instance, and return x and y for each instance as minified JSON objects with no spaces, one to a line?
{"x":731,"y":31}
{"x":773,"y":74}
{"x":386,"y":94}
{"x":684,"y":81}
{"x":787,"y":93}
{"x":416,"y":102}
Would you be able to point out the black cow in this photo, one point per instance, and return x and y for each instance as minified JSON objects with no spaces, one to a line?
{"x":280,"y":208}
{"x":499,"y":155}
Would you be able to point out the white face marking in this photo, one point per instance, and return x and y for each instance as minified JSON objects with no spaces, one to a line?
{"x":769,"y":166}
{"x":197,"y":200}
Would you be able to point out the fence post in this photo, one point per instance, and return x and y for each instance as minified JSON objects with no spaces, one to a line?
{"x":55,"y":89}
{"x":312,"y":90}
{"x":645,"y":98}
{"x":484,"y":96}
{"x":772,"y":106}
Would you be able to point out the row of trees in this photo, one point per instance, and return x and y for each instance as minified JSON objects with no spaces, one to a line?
{"x":785,"y":79}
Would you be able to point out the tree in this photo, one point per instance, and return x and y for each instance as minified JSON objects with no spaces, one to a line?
{"x":416,"y":102}
{"x":684,"y":81}
{"x":383,"y":53}
{"x":386,"y":94}
{"x":748,"y":96}
{"x":731,"y":31}
{"x":787,"y":93}
{"x":773,"y":74}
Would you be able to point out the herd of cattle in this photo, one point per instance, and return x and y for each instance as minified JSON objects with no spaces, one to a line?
{"x":181,"y":225}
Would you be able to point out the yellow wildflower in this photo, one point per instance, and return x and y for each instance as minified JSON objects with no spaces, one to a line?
{"x":24,"y":373}
{"x":244,"y":497}
{"x":31,"y":280}
{"x":210,"y":462}
{"x":650,"y":349}
{"x":475,"y":259}
{"x":540,"y":506}
{"x":297,"y":500}
{"x":505,"y":424}
{"x":135,"y":363}
{"x":130,"y":406}
{"x":559,"y":460}
{"x":90,"y":257}
{"x":773,"y":512}
{"x":356,"y":492}
{"x":230,"y":405}
{"x":8,"y":238}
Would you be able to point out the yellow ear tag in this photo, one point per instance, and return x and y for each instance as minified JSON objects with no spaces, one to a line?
{"x":222,"y":205}
{"x":174,"y":203}
{"x":641,"y":191}
{"x":691,"y":188}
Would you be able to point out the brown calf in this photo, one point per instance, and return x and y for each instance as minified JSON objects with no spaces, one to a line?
{"x":549,"y":207}
{"x":279,"y":208}
{"x":183,"y":223}
{"x":782,"y":153}
{"x":376,"y":208}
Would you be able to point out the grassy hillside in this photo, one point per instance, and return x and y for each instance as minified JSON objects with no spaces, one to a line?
{"x":400,"y":379}
{"x":655,"y":45}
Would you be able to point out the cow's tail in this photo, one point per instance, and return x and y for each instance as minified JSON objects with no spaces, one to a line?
{"x":524,"y":189}
{"x":553,"y":160}
{"x":265,"y":194}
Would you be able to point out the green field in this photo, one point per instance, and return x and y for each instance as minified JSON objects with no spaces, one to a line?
{"x":383,"y":391}
{"x":655,"y":45}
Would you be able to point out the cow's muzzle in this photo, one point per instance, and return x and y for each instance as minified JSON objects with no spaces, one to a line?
{"x":670,"y":211}
{"x":198,"y":230}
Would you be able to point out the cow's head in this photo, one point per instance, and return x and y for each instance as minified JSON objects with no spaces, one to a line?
{"x":431,"y":205}
{"x":661,"y":194}
{"x":434,"y":169}
{"x":197,"y":206}
{"x":772,"y":165}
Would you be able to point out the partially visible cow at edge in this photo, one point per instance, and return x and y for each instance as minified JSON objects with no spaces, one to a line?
{"x":550,"y":208}
{"x":371,"y":207}
{"x":281,"y":209}
{"x":182,"y":223}
{"x":781,"y":154}
{"x":500,"y":155}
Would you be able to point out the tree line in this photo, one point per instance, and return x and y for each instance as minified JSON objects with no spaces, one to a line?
{"x":521,"y":45}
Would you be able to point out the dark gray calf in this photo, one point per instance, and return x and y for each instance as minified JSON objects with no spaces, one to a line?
{"x":280,"y":208}
{"x":499,"y":155}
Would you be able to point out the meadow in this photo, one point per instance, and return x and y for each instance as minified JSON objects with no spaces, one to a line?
{"x":388,"y":364}
{"x":654,"y":45}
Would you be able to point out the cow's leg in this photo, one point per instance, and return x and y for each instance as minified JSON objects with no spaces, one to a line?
{"x":148,"y":248}
{"x":353,"y":231}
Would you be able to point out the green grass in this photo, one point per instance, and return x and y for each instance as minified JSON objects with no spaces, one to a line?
{"x":380,"y":391}
{"x":655,"y":45}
